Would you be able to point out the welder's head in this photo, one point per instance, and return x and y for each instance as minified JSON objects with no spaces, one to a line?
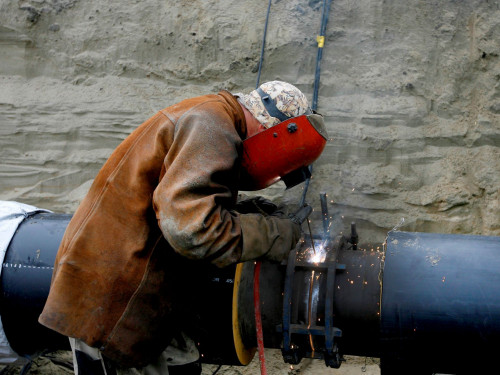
{"x":274,"y":102}
{"x":297,"y":138}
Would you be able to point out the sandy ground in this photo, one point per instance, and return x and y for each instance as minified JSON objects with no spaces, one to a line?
{"x":59,"y":363}
{"x":275,"y":365}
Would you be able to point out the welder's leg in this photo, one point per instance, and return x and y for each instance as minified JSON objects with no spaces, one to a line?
{"x":181,"y":357}
{"x":88,"y":360}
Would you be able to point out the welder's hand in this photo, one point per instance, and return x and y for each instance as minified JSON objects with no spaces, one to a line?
{"x":295,"y":220}
{"x":270,"y":237}
{"x":279,"y":253}
{"x":256,"y":205}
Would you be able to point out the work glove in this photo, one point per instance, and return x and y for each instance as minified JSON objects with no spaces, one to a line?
{"x":271,"y":237}
{"x":278,"y":253}
{"x":297,"y":218}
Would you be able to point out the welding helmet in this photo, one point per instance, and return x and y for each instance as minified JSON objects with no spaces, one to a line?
{"x":293,"y":139}
{"x":282,"y":152}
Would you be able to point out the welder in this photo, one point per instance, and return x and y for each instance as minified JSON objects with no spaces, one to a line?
{"x":168,"y":192}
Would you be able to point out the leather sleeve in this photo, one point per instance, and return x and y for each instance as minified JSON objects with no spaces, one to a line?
{"x":198,"y":185}
{"x":197,"y":192}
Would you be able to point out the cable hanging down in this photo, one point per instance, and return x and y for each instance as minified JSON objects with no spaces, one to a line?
{"x":321,"y":43}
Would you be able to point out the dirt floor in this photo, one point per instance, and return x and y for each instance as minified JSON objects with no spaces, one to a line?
{"x":60,"y":363}
{"x":275,"y":365}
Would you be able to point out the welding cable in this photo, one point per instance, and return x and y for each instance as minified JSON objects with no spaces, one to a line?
{"x":321,"y":43}
{"x":258,"y":317}
{"x":263,"y":43}
{"x":306,"y":187}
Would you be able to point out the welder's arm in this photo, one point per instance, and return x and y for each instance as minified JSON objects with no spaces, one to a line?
{"x":194,"y":198}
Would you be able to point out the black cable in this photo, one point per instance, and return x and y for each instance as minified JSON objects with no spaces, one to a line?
{"x":306,"y":187}
{"x":263,"y":44}
{"x":26,"y":368}
{"x":216,"y":371}
{"x":319,"y":56}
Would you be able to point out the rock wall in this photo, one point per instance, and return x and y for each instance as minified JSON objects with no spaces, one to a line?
{"x":410,"y":91}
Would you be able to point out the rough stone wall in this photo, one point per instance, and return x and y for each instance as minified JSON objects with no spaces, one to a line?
{"x":410,"y":91}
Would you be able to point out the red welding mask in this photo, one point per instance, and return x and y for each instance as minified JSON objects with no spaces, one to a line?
{"x":282,"y":152}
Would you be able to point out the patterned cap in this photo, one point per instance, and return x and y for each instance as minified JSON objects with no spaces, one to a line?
{"x":274,"y":102}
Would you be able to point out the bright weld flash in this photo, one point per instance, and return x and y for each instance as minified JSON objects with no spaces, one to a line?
{"x":318,"y":256}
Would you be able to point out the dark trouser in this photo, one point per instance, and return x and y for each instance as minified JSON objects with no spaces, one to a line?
{"x":175,"y":360}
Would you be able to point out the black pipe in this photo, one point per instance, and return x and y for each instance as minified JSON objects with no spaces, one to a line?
{"x":25,"y":283}
{"x":440,"y":303}
{"x":440,"y":300}
{"x":28,"y":266}
{"x":356,"y":308}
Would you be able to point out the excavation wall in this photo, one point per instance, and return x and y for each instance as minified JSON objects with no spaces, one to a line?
{"x":410,"y":92}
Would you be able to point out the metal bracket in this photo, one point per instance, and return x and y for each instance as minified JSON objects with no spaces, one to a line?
{"x":292,"y":353}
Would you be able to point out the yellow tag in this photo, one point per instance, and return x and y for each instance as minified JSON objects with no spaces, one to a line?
{"x":321,"y":41}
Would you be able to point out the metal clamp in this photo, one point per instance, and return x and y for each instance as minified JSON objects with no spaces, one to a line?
{"x":292,"y":353}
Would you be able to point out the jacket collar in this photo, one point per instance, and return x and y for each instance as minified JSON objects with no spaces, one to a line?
{"x":237,"y":113}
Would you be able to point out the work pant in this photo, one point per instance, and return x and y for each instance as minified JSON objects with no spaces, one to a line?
{"x":178,"y":358}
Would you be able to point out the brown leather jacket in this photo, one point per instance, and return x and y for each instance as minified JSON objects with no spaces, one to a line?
{"x":168,"y":189}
